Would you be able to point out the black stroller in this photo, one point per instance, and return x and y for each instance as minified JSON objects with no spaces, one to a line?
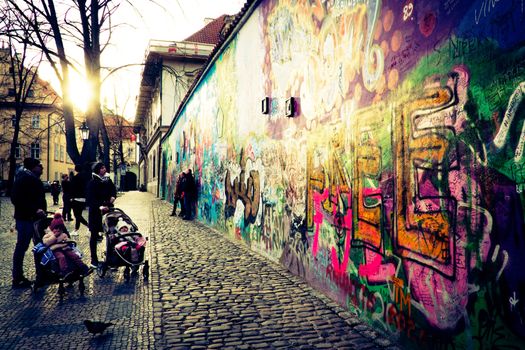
{"x":47,"y":270}
{"x":123,"y":249}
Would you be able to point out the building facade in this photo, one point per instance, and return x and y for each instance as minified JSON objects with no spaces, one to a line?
{"x":169,"y":70}
{"x":41,"y":135}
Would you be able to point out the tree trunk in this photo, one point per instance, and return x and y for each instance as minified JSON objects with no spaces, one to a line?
{"x":12,"y":159}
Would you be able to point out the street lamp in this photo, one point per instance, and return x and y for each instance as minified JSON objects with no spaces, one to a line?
{"x":84,"y":131}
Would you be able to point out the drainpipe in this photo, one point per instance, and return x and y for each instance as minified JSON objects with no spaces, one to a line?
{"x":160,"y":127}
{"x":48,"y":140}
{"x":159,"y":160}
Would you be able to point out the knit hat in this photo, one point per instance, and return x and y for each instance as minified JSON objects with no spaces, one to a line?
{"x":57,"y":222}
{"x":121,"y":223}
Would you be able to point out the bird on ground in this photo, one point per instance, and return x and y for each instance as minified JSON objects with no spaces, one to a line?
{"x":95,"y":327}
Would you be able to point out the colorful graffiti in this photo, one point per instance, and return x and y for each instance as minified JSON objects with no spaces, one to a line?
{"x":397,"y":188}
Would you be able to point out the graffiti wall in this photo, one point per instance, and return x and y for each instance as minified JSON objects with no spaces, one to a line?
{"x":395,"y":183}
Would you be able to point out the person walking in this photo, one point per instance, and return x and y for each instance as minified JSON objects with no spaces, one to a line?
{"x":100,"y":192}
{"x":55,"y":191}
{"x":190,"y":194}
{"x":66,"y":197}
{"x":177,"y":196}
{"x":29,"y":200}
{"x":78,"y":198}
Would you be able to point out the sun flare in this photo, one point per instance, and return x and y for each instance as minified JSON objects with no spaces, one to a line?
{"x":80,"y":93}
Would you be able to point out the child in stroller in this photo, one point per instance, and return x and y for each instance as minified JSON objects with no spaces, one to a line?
{"x":125,"y":246}
{"x":57,"y":258}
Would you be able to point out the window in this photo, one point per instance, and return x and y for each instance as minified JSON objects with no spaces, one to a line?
{"x":11,"y":92}
{"x":61,"y":153}
{"x":31,"y":93}
{"x":13,"y":120}
{"x":35,"y":121}
{"x":55,"y":147}
{"x":17,"y":151}
{"x":35,"y":150}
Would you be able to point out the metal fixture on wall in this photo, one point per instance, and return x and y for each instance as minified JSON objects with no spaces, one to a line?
{"x":265,"y":105}
{"x":290,"y":107}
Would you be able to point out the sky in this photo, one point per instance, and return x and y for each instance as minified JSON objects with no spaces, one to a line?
{"x":171,"y":20}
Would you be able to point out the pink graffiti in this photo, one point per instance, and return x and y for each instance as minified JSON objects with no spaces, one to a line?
{"x":372,"y":267}
{"x":318,"y":217}
{"x":347,"y":225}
{"x":369,"y":192}
{"x":374,"y":270}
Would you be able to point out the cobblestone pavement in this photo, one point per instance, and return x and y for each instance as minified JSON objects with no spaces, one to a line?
{"x":209,"y":292}
{"x":43,"y":320}
{"x":204,"y":292}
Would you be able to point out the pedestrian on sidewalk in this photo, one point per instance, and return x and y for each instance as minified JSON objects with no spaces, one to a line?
{"x":66,"y":197}
{"x":100,"y":192}
{"x":29,"y":200}
{"x":78,"y":197}
{"x":178,"y":196}
{"x":190,"y":195}
{"x":55,"y":191}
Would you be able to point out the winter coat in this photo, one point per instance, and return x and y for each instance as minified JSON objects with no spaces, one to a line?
{"x":178,"y":186}
{"x":99,"y":191}
{"x":55,"y":188}
{"x":66,"y":190}
{"x":78,"y":186}
{"x":53,"y":241}
{"x":28,"y":196}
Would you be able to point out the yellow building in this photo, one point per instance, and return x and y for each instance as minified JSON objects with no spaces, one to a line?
{"x":42,"y":134}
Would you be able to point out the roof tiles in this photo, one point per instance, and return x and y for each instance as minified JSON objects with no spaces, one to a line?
{"x":210,"y":33}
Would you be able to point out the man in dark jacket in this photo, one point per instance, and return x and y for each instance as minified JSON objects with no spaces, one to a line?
{"x":100,"y":192}
{"x":55,"y":191}
{"x":29,"y":199}
{"x":66,"y":197}
{"x":178,"y":196}
{"x":190,"y":195}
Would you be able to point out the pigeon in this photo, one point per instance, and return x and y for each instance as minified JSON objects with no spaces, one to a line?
{"x":95,"y":327}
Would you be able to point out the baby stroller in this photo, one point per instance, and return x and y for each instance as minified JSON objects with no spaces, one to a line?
{"x":46,"y":266}
{"x":122,"y":249}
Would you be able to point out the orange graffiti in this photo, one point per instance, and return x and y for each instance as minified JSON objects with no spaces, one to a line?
{"x":425,"y":226}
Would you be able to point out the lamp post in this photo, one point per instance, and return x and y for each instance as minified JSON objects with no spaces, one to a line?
{"x":84,"y":131}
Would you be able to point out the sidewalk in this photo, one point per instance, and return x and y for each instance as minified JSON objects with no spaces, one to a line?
{"x":46,"y":321}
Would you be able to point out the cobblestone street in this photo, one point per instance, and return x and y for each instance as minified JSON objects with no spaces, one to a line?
{"x":204,"y":292}
{"x":44,"y":320}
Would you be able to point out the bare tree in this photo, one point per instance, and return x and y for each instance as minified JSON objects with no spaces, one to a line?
{"x":119,"y":129}
{"x":53,"y":26}
{"x":20,"y":79}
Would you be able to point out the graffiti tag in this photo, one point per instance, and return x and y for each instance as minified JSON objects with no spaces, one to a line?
{"x":248,"y":192}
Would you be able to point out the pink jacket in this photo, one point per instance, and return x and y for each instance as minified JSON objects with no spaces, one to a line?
{"x":55,"y":242}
